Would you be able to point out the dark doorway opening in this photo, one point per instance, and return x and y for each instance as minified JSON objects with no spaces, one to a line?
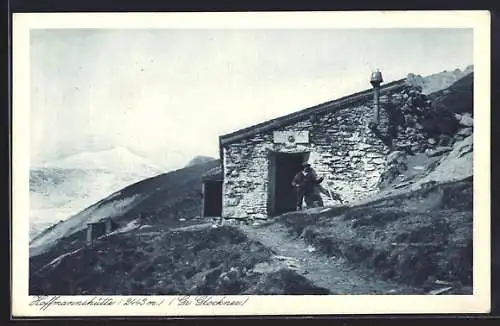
{"x":98,"y":229}
{"x":212,"y":198}
{"x":282,"y":168}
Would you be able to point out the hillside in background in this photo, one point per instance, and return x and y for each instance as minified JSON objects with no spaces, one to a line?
{"x":56,"y":194}
{"x":200,"y":160}
{"x":412,"y":237}
{"x":439,"y":81}
{"x":62,"y":188}
{"x":461,"y":99}
{"x":167,"y":197}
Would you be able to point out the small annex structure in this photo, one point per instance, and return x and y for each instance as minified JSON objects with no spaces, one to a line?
{"x":211,"y":193}
{"x":344,"y":140}
{"x":99,"y":229}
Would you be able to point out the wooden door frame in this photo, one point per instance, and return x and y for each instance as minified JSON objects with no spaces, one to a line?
{"x":271,"y":177}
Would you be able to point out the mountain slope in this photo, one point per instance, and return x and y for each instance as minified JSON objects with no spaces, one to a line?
{"x":200,"y":160}
{"x":56,"y":194}
{"x":165,"y":197}
{"x":64,"y":187}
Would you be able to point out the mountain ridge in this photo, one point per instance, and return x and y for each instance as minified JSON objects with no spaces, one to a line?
{"x":200,"y":159}
{"x":116,"y":158}
{"x":438,"y":81}
{"x":62,"y":188}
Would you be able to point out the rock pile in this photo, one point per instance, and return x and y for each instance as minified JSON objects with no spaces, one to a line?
{"x":425,"y":126}
{"x":439,"y":81}
{"x":396,"y":164}
{"x":418,"y":123}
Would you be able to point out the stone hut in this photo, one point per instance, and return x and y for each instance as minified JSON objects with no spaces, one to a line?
{"x":337,"y":138}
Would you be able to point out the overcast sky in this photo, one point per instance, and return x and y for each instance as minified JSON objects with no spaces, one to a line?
{"x":169,"y":94}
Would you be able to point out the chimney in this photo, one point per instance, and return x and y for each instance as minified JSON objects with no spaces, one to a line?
{"x":376,"y":79}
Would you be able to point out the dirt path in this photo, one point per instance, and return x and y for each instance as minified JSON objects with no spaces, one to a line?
{"x":331,"y":273}
{"x":328,"y":272}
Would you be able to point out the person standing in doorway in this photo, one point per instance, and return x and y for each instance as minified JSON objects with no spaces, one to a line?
{"x":305,"y":183}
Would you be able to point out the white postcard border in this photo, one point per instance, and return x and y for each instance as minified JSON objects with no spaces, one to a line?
{"x":479,"y":302}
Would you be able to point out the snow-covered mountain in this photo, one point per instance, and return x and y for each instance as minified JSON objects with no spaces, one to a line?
{"x":115,"y":159}
{"x":64,"y":187}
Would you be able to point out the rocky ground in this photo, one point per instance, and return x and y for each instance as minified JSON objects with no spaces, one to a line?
{"x":407,"y":244}
{"x":421,"y":239}
{"x":188,"y":260}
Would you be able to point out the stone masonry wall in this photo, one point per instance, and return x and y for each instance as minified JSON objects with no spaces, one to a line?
{"x":342,"y":149}
{"x":351,"y":156}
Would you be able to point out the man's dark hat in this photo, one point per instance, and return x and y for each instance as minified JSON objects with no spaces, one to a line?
{"x":306,"y":165}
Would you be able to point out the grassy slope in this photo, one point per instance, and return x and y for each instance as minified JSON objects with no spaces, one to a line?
{"x":413,"y":238}
{"x":166,"y":197}
{"x":158,"y":261}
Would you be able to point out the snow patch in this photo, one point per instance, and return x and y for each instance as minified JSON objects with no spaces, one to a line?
{"x":111,"y":209}
{"x":116,"y":194}
{"x":58,"y":260}
{"x":132,"y":225}
{"x":79,"y":222}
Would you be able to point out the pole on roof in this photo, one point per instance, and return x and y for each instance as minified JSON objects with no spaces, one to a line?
{"x":376,"y":79}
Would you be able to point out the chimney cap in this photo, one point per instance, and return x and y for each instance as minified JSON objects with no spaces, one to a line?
{"x":376,"y":78}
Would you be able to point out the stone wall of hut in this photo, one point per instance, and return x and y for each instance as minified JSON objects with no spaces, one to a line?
{"x":342,"y":148}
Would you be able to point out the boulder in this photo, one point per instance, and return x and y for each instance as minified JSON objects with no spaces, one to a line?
{"x":444,"y":140}
{"x":438,"y":151}
{"x":396,"y":156}
{"x":466,"y":120}
{"x":229,"y":282}
{"x":396,"y":164}
{"x":397,"y":99}
{"x":438,"y":121}
{"x":465,"y":132}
